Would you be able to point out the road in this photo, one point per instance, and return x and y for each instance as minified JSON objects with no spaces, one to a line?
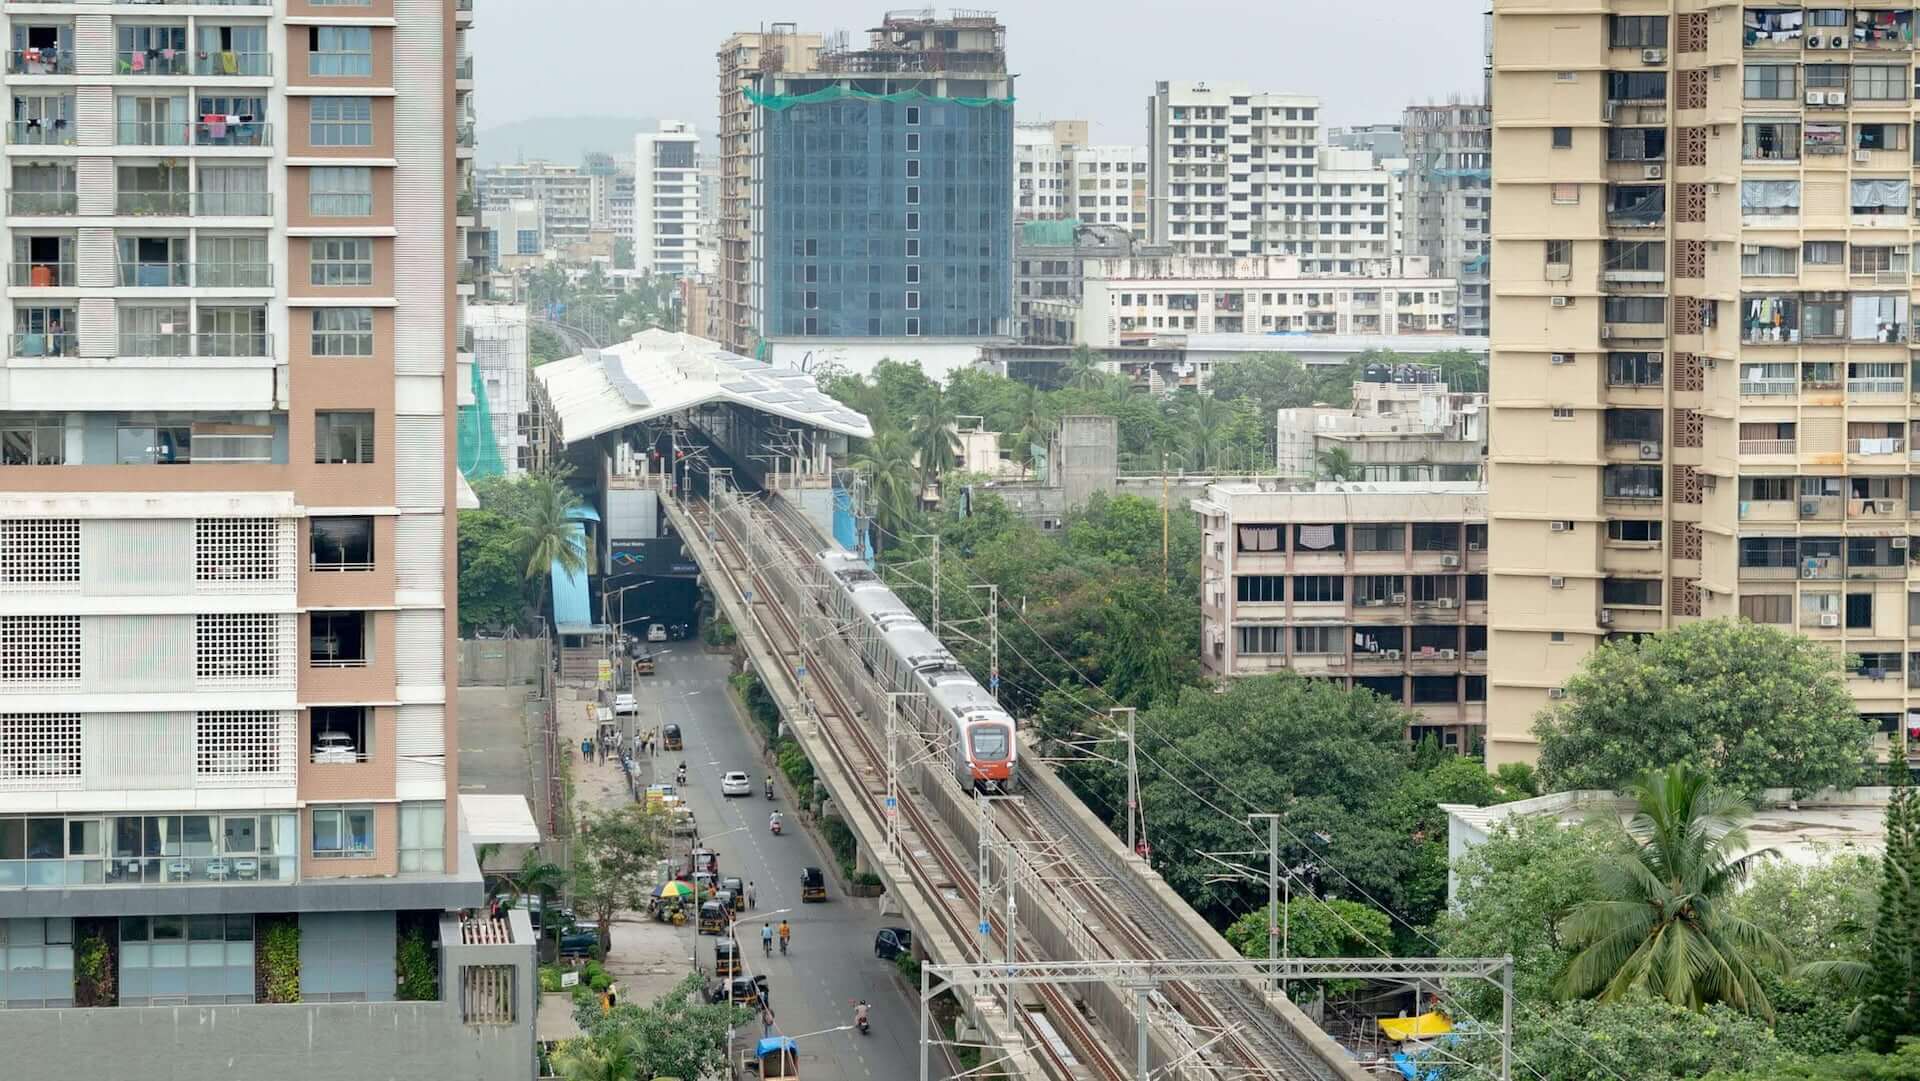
{"x":831,"y":963}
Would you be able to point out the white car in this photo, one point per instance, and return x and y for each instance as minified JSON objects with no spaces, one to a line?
{"x":337,"y":747}
{"x":624,"y":704}
{"x":657,"y":632}
{"x":736,"y":783}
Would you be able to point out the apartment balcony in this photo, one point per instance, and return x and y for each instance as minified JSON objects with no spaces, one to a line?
{"x":43,"y":204}
{"x":214,"y":275}
{"x":40,"y":62}
{"x":1768,"y":446}
{"x":210,"y":344}
{"x":40,"y":274}
{"x":1819,"y":508}
{"x":55,"y":344}
{"x":199,"y":133}
{"x":40,"y":133}
{"x":1859,"y":572}
{"x":222,"y":64}
{"x":162,"y":62}
{"x":1876,"y":509}
{"x":233,"y":204}
{"x":155,"y":275}
{"x":463,"y":69}
{"x":1880,"y":447}
{"x":1864,"y":388}
{"x":1385,"y":660}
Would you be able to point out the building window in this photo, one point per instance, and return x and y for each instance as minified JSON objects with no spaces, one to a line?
{"x":1644,"y":592}
{"x":338,"y":639}
{"x":1261,"y":640}
{"x":343,"y":437}
{"x":1772,"y":81}
{"x":913,"y":195}
{"x":1563,"y":138}
{"x":39,"y":649}
{"x":1319,"y":589}
{"x":241,"y":742}
{"x":913,"y":221}
{"x":526,"y":242}
{"x":341,"y":544}
{"x":196,"y":959}
{"x":912,"y":247}
{"x":339,"y":735}
{"x":1260,"y":588}
{"x":1637,"y":31}
{"x":913,"y":143}
{"x":913,"y":114}
{"x":1566,"y":194}
{"x":913,"y":168}
{"x":340,"y":191}
{"x":1879,"y":82}
{"x":340,"y":260}
{"x":343,"y":833}
{"x":39,"y":750}
{"x":236,"y":550}
{"x":236,"y":647}
{"x":342,"y":332}
{"x":1320,"y":640}
{"x":340,"y":121}
{"x":1559,"y":252}
{"x":423,"y":836}
{"x":340,"y":51}
{"x":1634,"y":530}
{"x":913,"y":327}
{"x":912,"y":300}
{"x":1767,"y":608}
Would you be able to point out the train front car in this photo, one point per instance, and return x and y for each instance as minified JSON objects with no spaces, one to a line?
{"x":983,"y":747}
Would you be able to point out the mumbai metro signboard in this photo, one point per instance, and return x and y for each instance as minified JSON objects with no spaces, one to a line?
{"x":662,"y":556}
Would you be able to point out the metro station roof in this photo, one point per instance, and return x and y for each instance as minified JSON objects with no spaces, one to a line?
{"x":657,"y":373}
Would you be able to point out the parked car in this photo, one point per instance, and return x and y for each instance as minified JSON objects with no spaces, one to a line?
{"x":331,"y":747}
{"x":656,"y":632}
{"x":624,"y":703}
{"x":736,"y":783}
{"x":581,"y":941}
{"x":891,"y":942}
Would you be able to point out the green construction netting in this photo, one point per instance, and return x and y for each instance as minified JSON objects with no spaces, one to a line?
{"x":479,"y":456}
{"x":777,"y":102}
{"x":1049,"y":234}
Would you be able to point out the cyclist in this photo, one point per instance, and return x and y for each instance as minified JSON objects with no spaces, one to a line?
{"x":766,"y":937}
{"x":786,"y":932}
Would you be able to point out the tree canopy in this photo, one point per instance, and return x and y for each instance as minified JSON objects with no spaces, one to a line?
{"x":1753,"y":706}
{"x":679,"y":1034}
{"x":615,"y":862}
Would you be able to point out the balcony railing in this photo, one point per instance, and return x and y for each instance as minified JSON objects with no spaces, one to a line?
{"x":1882,"y":445}
{"x":57,"y":344}
{"x":1768,"y":446}
{"x":191,"y":132}
{"x":210,"y":343}
{"x":152,"y":61}
{"x":150,"y":275}
{"x":43,"y":203}
{"x":1876,"y":386}
{"x":145,"y":203}
{"x":232,"y":63}
{"x":1767,"y":387}
{"x":463,"y":68}
{"x":463,"y":134}
{"x":43,"y":275}
{"x":40,"y":62}
{"x":237,"y":204}
{"x":233,"y":275}
{"x":40,"y":132}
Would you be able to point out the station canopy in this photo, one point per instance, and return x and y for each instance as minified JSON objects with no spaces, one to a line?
{"x":658,"y":373}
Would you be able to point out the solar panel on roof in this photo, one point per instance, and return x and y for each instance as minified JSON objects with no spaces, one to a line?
{"x":617,"y":379}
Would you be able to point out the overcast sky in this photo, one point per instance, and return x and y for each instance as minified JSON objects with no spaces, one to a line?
{"x":1092,"y":59}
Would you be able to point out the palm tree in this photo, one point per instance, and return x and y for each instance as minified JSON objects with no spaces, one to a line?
{"x":1084,"y":369}
{"x":1661,"y":924}
{"x":933,"y":437}
{"x":1337,"y":464}
{"x":597,"y":1058}
{"x":887,"y":461}
{"x":1026,"y":420}
{"x":1206,"y":433}
{"x":548,"y":534}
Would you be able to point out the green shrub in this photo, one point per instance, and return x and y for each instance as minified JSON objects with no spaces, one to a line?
{"x":549,"y":977}
{"x":281,"y":949}
{"x":719,"y":633}
{"x":94,"y":983}
{"x":794,"y":763}
{"x":909,"y":968}
{"x":865,"y":878}
{"x":419,"y":976}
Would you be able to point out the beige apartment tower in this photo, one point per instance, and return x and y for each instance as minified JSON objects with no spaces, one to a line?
{"x":1701,"y":345}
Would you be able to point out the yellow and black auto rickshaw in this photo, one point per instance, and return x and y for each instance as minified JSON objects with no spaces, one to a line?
{"x":713,"y":918}
{"x":734,"y":887}
{"x":813,"y":884}
{"x":670,"y":737}
{"x":726,"y":957}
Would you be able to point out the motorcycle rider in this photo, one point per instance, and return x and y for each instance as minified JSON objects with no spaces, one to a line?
{"x":769,"y":786}
{"x":774,"y":821}
{"x":860,"y":1011}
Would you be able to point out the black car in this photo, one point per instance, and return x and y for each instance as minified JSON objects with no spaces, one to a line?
{"x":746,"y":990}
{"x":891,"y":942}
{"x":580,"y":941}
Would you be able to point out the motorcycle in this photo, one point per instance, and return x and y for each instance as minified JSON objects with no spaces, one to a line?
{"x":774,"y":824}
{"x":769,"y":790}
{"x":680,"y":776}
{"x":860,"y":1019}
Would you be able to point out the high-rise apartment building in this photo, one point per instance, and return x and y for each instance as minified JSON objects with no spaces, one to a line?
{"x":1356,"y":216}
{"x":227,"y":495}
{"x":1231,"y":171}
{"x":1449,"y":197}
{"x":1040,"y":180}
{"x":741,"y":59}
{"x":564,"y":192}
{"x":882,"y":174}
{"x":1702,"y":342}
{"x":666,"y":200}
{"x":1058,"y":175}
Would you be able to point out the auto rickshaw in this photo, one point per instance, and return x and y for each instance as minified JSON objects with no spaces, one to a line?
{"x":670,"y":737}
{"x":726,"y":957}
{"x":737,"y":890}
{"x":813,"y":884}
{"x":713,"y":918}
{"x":703,"y":859}
{"x":774,"y":1059}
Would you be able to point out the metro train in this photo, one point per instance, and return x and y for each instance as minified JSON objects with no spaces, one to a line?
{"x":903,"y":655}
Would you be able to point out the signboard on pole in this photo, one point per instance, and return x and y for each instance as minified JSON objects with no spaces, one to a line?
{"x":606,"y":673}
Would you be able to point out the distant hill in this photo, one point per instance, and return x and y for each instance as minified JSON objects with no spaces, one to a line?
{"x":560,"y":138}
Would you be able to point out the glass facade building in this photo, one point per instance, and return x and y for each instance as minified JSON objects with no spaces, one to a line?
{"x":887,"y":218}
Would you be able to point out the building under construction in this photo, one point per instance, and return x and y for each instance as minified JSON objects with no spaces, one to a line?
{"x":866,"y":187}
{"x":1449,"y":198}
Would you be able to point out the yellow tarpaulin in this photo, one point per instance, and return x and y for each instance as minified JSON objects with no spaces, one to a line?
{"x":1414,"y":1028}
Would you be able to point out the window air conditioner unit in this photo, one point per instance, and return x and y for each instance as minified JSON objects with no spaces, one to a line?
{"x":1398,"y":598}
{"x":1654,"y":172}
{"x":1837,"y":41}
{"x":1863,"y":156}
{"x":1563,"y":358}
{"x":1557,"y":581}
{"x":1897,"y":542}
{"x":1448,"y":654}
{"x":1883,"y":506}
{"x":1560,"y":525}
{"x":1449,"y":561}
{"x":1836,"y":97}
{"x":1556,"y":692}
{"x":1815,"y":97}
{"x":1606,"y":616}
{"x":1473,"y":546}
{"x":1815,"y":41}
{"x":1391,"y":654}
{"x":1561,"y":302}
{"x":1829,"y":619}
{"x":1653,"y":56}
{"x":1606,"y":331}
{"x":1649,"y":452}
{"x":1809,"y":508}
{"x":1445,"y":602}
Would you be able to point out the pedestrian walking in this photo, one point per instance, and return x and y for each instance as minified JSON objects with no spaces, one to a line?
{"x":766,"y":1022}
{"x":750,"y":894}
{"x":586,"y":748}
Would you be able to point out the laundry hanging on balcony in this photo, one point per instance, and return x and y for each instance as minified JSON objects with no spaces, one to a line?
{"x":1314,"y":537}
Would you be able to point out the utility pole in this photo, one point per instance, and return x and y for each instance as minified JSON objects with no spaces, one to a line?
{"x":1279,"y":924}
{"x":893,"y":774}
{"x":1133,"y":779}
{"x":1165,"y":524}
{"x":936,"y":587}
{"x":993,"y":639}
{"x":1141,"y":1067}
